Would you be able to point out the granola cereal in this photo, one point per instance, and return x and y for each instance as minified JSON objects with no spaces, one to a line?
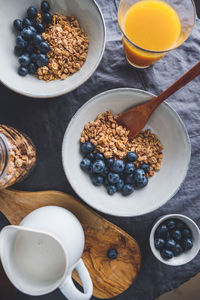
{"x":68,"y":48}
{"x":112,"y":140}
{"x":19,"y":155}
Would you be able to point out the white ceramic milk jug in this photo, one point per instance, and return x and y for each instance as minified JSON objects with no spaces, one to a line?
{"x":40,"y":254}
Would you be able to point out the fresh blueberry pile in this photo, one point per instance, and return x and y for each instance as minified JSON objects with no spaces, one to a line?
{"x":172,"y":238}
{"x":30,"y":45}
{"x":116,"y":175}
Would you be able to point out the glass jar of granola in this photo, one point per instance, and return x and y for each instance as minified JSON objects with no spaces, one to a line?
{"x":17,"y":156}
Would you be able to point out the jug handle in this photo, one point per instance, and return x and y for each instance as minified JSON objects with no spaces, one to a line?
{"x":69,"y":289}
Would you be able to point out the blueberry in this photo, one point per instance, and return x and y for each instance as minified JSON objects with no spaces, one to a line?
{"x":24,"y":60}
{"x":131,"y":156}
{"x":27,"y":33}
{"x":20,"y":42}
{"x":18,"y":51}
{"x":39,"y":27}
{"x":32,"y":12}
{"x":45,"y":7}
{"x":111,"y":189}
{"x":177,"y":250}
{"x":110,"y":162}
{"x":170,"y":244}
{"x":112,"y":253}
{"x":105,"y":172}
{"x":127,"y":189}
{"x":171,"y":224}
{"x":159,"y":243}
{"x":113,"y":177}
{"x":98,"y":166}
{"x":186,"y":233}
{"x":34,"y":57}
{"x":32,"y":28}
{"x":26,"y":22}
{"x":187,"y":243}
{"x":161,"y":231}
{"x":32,"y":68}
{"x":140,"y":179}
{"x":119,"y":185}
{"x":145,"y":167}
{"x":141,"y":184}
{"x":37,"y":39}
{"x":30,"y":48}
{"x":99,"y":155}
{"x":139,"y":174}
{"x":129,"y":168}
{"x":166,"y":254}
{"x":97,"y":180}
{"x":176,"y":235}
{"x":86,"y":148}
{"x":18,"y":24}
{"x":47,"y":18}
{"x":22,"y":71}
{"x":44,"y":47}
{"x":118,"y":166}
{"x":91,"y":156}
{"x":85,"y":164}
{"x":42,"y":60}
{"x":180,"y":225}
{"x":130,"y":179}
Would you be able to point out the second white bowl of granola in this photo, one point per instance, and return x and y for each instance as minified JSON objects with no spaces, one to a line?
{"x":91,"y":22}
{"x":169,"y":130}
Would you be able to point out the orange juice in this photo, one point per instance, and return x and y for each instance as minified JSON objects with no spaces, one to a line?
{"x":152,"y":25}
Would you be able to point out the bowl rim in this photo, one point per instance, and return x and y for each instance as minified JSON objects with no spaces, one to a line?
{"x":56,"y":94}
{"x":91,"y":100}
{"x":161,"y":219}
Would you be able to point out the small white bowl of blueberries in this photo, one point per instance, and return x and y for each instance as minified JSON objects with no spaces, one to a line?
{"x":175,"y":239}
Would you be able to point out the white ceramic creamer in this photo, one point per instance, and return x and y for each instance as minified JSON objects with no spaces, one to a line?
{"x":40,"y":254}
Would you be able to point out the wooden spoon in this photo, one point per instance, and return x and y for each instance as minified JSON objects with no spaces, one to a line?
{"x":136,"y":118}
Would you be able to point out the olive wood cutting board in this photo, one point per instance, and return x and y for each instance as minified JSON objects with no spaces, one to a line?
{"x":110,"y":277}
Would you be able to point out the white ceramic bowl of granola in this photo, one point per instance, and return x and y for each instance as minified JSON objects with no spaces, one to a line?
{"x":91,"y":21}
{"x":164,"y":122}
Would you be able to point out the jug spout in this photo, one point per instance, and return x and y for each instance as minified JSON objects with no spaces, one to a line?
{"x":34,"y":261}
{"x":9,"y":234}
{"x":7,"y":237}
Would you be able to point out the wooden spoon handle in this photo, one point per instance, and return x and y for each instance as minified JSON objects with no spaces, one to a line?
{"x":187,"y":77}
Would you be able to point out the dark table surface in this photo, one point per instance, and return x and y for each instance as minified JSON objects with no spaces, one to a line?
{"x":45,"y":122}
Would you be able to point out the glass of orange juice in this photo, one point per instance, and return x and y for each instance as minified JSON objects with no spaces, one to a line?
{"x":151,"y":28}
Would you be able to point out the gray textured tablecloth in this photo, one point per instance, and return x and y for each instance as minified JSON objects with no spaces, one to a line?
{"x":46,"y":120}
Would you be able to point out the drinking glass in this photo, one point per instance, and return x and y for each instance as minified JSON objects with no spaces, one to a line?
{"x":143,"y":58}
